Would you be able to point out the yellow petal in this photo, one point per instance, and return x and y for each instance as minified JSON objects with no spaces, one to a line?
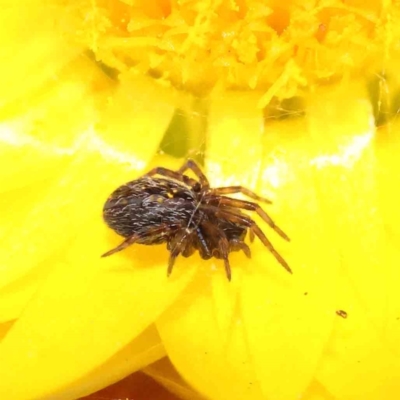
{"x":214,"y":358}
{"x":58,"y":216}
{"x":32,"y":48}
{"x":4,"y":328}
{"x":86,"y":312}
{"x":347,"y":193}
{"x":209,"y":312}
{"x":164,"y":373}
{"x":316,"y":391}
{"x":388,"y":179}
{"x":143,"y":350}
{"x":361,"y":359}
{"x":243,"y":333}
{"x":286,"y":321}
{"x":135,"y":120}
{"x":250,"y":327}
{"x":15,"y":212}
{"x":234,"y":142}
{"x":40,"y":134}
{"x":107,"y":158}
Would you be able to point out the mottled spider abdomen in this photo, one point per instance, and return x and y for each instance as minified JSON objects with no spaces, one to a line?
{"x":145,"y":204}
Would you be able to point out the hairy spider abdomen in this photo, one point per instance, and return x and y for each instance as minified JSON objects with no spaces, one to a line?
{"x":141,"y":206}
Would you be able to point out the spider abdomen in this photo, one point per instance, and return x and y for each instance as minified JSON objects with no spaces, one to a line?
{"x":145,"y":204}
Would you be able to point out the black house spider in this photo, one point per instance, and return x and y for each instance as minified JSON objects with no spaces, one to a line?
{"x":186,"y":214}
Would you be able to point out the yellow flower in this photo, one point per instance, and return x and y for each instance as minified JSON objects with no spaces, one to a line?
{"x":282,"y":98}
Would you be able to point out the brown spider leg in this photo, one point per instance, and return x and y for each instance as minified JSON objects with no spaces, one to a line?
{"x":251,"y":235}
{"x":134,"y":238}
{"x":172,"y":174}
{"x":238,"y":245}
{"x":248,"y":222}
{"x":238,"y":189}
{"x":190,"y":164}
{"x":224,"y":249}
{"x":223,"y":245}
{"x":172,"y":257}
{"x":248,"y":205}
{"x":177,"y":247}
{"x":204,"y":248}
{"x":189,"y":250}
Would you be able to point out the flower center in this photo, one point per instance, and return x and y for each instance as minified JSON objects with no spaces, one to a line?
{"x":238,"y":44}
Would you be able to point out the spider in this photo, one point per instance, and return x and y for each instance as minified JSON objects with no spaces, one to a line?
{"x":166,"y":206}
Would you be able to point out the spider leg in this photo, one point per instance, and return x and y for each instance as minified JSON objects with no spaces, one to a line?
{"x":189,"y":250}
{"x":127,"y":242}
{"x":173,"y":175}
{"x":192,"y":165}
{"x":235,"y":244}
{"x":224,"y":249}
{"x":238,"y":189}
{"x":178,"y":246}
{"x":223,"y":245}
{"x":251,"y":235}
{"x":248,"y":222}
{"x":173,"y":255}
{"x":203,"y":247}
{"x":163,"y":229}
{"x":270,"y":247}
{"x":248,"y":205}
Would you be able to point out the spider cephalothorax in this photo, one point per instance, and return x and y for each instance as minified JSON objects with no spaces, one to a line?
{"x":166,"y":206}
